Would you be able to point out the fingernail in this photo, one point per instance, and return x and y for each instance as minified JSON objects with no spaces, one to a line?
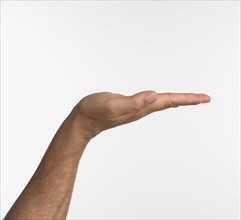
{"x":151,"y":98}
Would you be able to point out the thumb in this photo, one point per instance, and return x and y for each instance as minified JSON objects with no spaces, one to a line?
{"x":142,"y":99}
{"x":129,"y":104}
{"x":150,"y":97}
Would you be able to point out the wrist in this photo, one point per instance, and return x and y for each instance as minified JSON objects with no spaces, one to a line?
{"x":85,"y":126}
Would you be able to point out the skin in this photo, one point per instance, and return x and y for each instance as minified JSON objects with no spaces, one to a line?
{"x":48,"y":193}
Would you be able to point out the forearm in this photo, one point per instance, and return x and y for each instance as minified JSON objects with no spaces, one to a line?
{"x":48,"y":193}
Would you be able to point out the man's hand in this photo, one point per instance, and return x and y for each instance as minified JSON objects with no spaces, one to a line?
{"x":48,"y":193}
{"x":106,"y":110}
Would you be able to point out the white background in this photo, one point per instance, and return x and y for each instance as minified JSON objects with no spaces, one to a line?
{"x":180,"y":163}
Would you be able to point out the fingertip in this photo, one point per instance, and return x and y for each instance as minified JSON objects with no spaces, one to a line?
{"x":206,"y":98}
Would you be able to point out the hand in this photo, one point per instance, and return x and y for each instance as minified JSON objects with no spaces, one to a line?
{"x":106,"y":110}
{"x":93,"y":114}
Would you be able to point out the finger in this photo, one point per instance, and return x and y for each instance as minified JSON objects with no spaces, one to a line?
{"x":168,"y":100}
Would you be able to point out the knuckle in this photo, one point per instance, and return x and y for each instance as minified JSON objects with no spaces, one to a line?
{"x":169,"y":100}
{"x":136,"y":105}
{"x":110,"y":108}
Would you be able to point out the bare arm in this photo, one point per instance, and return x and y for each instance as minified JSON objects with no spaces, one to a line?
{"x":48,"y":193}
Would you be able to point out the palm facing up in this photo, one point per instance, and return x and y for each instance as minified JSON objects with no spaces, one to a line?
{"x":48,"y":193}
{"x":107,"y":110}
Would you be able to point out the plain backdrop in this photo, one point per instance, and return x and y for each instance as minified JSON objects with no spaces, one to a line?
{"x":180,"y":163}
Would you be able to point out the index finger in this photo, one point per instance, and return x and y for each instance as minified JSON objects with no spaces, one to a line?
{"x":168,"y":100}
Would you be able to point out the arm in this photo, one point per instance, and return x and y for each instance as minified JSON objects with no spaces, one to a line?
{"x":48,"y":193}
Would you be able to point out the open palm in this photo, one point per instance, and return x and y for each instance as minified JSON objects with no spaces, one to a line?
{"x":107,"y":110}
